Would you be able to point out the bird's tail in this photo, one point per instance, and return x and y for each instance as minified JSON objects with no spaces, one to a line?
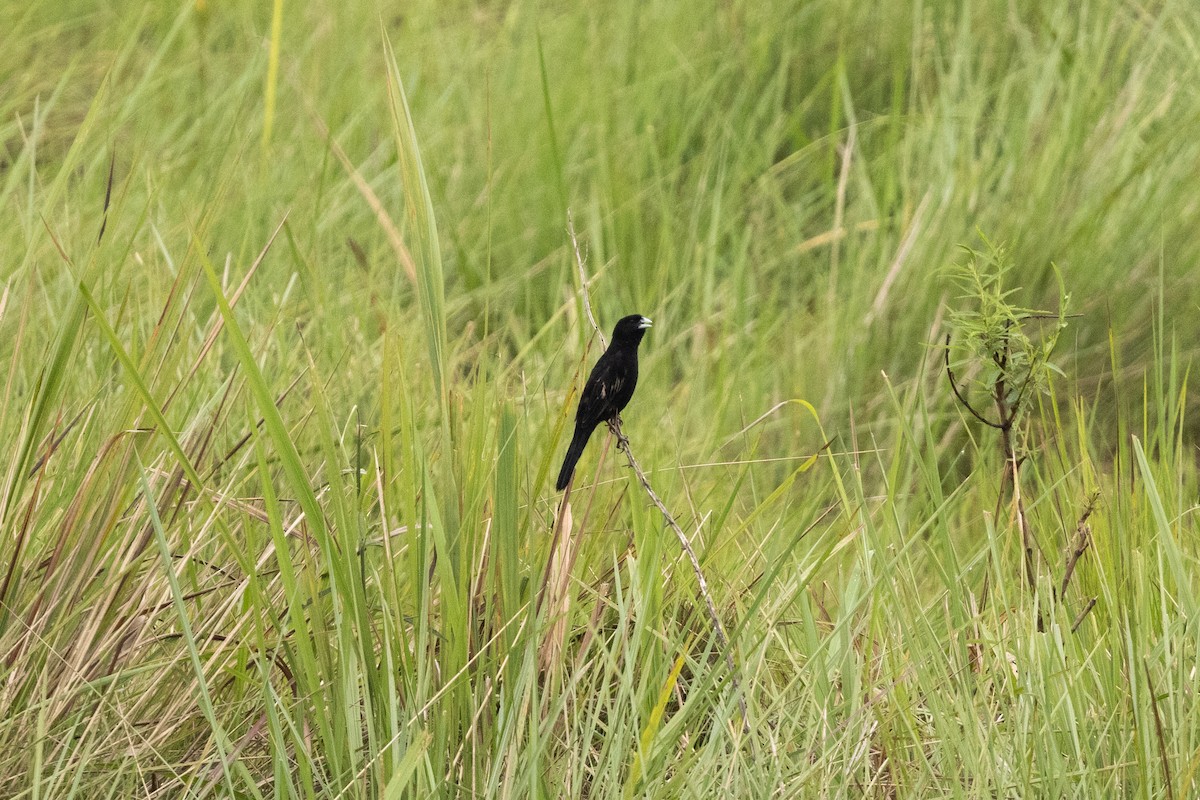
{"x":578,"y":442}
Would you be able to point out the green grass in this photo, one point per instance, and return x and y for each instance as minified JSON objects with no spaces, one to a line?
{"x":276,"y":505}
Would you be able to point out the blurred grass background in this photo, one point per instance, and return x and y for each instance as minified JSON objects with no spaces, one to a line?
{"x":277,"y":504}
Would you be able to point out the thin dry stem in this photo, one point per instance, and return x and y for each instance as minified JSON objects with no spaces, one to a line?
{"x":1159,"y":733}
{"x":623,"y":445}
{"x":714,"y":617}
{"x":1083,"y":539}
{"x":390,"y":229}
{"x":1087,"y":609}
{"x":958,"y":393}
{"x":583,"y":280}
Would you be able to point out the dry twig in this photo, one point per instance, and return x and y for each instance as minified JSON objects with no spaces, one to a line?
{"x":715,"y":618}
{"x":614,"y":426}
{"x":1083,"y":539}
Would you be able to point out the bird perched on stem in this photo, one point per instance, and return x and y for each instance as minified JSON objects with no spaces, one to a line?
{"x":608,"y":388}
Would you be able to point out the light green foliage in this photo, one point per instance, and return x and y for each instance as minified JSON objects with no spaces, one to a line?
{"x":275,"y":501}
{"x":996,"y":333}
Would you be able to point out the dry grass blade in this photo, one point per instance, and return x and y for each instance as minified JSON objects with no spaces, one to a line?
{"x":373,"y":202}
{"x":555,"y":596}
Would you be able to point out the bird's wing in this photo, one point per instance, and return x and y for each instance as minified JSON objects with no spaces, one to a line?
{"x":597,"y":402}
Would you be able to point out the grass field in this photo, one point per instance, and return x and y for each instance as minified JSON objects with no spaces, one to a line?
{"x":291,"y":332}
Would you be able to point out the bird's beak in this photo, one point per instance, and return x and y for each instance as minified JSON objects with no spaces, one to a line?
{"x":645,"y":323}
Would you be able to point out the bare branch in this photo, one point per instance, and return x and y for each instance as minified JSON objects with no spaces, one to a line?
{"x":959,"y":395}
{"x":583,"y":280}
{"x":1091,"y":603}
{"x":623,"y":445}
{"x":1083,"y":539}
{"x":1046,"y":315}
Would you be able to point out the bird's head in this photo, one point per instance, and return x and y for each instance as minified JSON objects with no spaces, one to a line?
{"x":631,"y":329}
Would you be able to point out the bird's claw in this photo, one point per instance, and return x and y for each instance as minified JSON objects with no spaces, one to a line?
{"x":614,"y":425}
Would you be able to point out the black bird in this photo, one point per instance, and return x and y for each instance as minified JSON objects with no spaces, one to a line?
{"x":607,"y":390}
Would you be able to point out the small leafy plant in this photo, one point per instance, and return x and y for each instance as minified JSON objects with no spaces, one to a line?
{"x":1007,"y":359}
